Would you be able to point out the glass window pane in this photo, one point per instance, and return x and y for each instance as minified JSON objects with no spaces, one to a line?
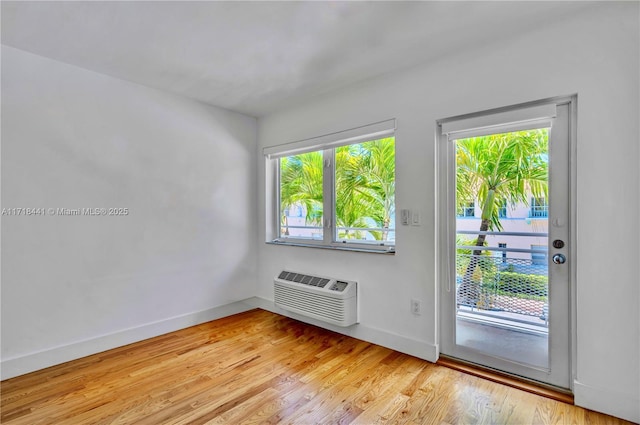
{"x":502,"y":277}
{"x":365,"y":192}
{"x":301,"y":197}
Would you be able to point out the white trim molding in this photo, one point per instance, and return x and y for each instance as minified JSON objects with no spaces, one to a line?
{"x":403,"y":344}
{"x":329,"y":141}
{"x":31,"y":362}
{"x":503,"y":120}
{"x":607,"y":401}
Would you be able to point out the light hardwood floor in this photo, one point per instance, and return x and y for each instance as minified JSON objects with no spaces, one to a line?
{"x":259,"y":367}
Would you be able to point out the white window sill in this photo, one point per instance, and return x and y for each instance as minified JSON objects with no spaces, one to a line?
{"x":384,"y":250}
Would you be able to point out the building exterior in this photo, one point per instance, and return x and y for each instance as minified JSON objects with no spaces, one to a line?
{"x":530,"y":220}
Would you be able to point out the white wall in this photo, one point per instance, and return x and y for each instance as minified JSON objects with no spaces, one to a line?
{"x":73,"y":285}
{"x":594,"y":54}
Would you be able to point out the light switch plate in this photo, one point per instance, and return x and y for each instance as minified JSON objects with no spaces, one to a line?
{"x":404,"y":217}
{"x":415,"y":218}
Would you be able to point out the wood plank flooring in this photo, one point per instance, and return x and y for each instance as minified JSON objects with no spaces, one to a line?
{"x":259,"y":367}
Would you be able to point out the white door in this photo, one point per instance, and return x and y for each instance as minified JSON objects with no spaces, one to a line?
{"x":506,"y":242}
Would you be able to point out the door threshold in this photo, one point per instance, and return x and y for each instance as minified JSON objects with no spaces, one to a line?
{"x":518,"y":382}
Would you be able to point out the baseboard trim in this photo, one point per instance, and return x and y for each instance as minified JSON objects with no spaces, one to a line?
{"x":505,"y":379}
{"x":386,"y":339}
{"x":607,"y":401}
{"x":31,"y":362}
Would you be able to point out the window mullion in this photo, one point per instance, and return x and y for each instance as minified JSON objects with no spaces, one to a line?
{"x":278,"y":204}
{"x":328,"y":195}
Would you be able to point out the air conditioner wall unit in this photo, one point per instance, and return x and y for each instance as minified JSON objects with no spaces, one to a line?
{"x":328,"y":299}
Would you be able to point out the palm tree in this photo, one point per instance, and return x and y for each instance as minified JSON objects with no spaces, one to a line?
{"x":365,"y":185}
{"x":496,"y":169}
{"x":301,"y":185}
{"x":352,"y":209}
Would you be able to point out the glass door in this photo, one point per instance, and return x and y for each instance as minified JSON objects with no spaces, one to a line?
{"x":505,"y":260}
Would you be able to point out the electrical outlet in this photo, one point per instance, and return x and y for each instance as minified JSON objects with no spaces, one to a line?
{"x":416,"y":306}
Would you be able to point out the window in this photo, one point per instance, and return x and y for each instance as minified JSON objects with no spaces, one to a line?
{"x":364,"y":178}
{"x":502,"y":210}
{"x":339,"y":194}
{"x":467,"y":209}
{"x":301,"y":197}
{"x":503,"y":253}
{"x":539,"y":208}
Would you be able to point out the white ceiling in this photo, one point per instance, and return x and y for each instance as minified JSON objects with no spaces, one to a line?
{"x":256,"y":57}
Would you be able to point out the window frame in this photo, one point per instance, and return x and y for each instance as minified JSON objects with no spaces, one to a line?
{"x":278,"y":203}
{"x":329,"y":223}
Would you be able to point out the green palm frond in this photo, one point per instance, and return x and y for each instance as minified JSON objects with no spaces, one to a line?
{"x":364,"y":185}
{"x":301,"y":184}
{"x":508,"y":167}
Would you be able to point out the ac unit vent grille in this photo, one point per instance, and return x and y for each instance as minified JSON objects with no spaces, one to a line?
{"x":304,"y":279}
{"x":296,"y":298}
{"x":333,"y":301}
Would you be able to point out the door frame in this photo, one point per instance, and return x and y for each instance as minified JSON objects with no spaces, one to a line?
{"x":445,"y":221}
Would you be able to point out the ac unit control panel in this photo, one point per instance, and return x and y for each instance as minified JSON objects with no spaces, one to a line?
{"x":339,"y":286}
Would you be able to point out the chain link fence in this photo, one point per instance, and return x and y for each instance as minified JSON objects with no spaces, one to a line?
{"x":514,"y":285}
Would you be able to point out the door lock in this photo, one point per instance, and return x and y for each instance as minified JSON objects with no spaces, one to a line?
{"x":559,"y":259}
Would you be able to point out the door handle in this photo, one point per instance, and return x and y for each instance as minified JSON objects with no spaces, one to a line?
{"x":559,"y":259}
